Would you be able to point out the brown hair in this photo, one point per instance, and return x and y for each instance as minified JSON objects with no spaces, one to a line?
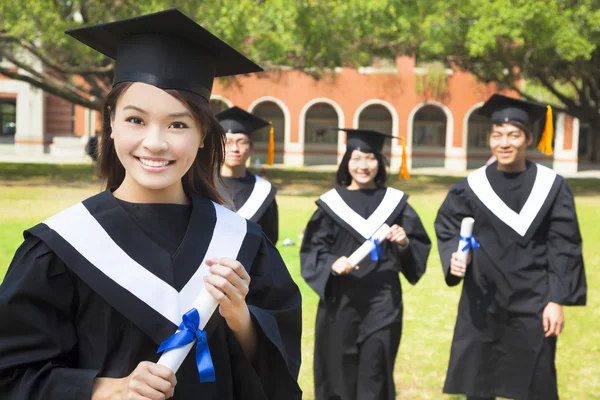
{"x":201,"y":178}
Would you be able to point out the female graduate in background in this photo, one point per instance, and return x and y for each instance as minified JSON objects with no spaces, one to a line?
{"x":359,"y":317}
{"x":94,"y":290}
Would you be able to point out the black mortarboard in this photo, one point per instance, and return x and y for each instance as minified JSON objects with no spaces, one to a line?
{"x":166,"y":49}
{"x":237,"y":120}
{"x":365,"y":140}
{"x":502,"y":109}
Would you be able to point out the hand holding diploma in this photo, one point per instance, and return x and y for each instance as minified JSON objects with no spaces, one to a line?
{"x":462,"y":257}
{"x":368,"y":247}
{"x":227,"y":287}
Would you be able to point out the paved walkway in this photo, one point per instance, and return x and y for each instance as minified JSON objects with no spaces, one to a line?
{"x":53,"y":159}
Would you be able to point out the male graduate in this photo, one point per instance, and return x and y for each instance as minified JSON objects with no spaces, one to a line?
{"x":528,"y":266}
{"x":253,"y":196}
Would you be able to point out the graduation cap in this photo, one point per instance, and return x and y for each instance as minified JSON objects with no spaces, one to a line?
{"x":167,"y":50}
{"x":237,"y":120}
{"x":502,"y":109}
{"x":365,"y":140}
{"x":371,"y":141}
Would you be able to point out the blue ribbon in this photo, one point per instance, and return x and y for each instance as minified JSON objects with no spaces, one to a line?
{"x":190,"y":331}
{"x":470,"y":243}
{"x":376,"y":250}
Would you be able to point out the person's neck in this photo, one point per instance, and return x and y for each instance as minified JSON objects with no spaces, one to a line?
{"x":360,"y":186}
{"x":517,"y":166}
{"x":238,"y":171}
{"x":133,"y":192}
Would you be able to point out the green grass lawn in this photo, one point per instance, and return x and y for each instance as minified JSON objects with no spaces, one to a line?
{"x":30,"y":194}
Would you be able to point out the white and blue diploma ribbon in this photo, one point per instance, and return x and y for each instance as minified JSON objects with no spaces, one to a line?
{"x":470,"y":243}
{"x":376,"y":250}
{"x":188,"y":332}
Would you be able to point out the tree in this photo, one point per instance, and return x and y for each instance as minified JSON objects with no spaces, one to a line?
{"x":32,"y":38}
{"x":545,"y":50}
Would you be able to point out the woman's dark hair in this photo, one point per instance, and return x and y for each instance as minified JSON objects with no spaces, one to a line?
{"x":344,"y":178}
{"x":200,"y":179}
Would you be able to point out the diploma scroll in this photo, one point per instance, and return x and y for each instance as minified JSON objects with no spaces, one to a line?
{"x":365,"y":249}
{"x":466,"y":234}
{"x":206,"y":305}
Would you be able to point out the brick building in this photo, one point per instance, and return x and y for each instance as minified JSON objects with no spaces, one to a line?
{"x":439,"y":131}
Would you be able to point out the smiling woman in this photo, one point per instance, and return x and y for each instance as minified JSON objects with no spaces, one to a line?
{"x":95,"y":290}
{"x":359,"y":319}
{"x":158,"y":142}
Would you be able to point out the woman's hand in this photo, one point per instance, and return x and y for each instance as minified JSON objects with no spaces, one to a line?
{"x":397,"y":235}
{"x":229,"y":284}
{"x":148,"y":381}
{"x":341,"y":266}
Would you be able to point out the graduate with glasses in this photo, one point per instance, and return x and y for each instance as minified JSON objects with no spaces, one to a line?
{"x":95,"y":291}
{"x":359,"y":317}
{"x":252,"y":195}
{"x":528,"y":267}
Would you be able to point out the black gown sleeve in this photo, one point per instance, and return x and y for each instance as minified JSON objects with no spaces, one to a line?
{"x":38,"y":339}
{"x":275,"y":303}
{"x":316,"y":256}
{"x":565,"y":260}
{"x":447,"y":228}
{"x":413,"y":258}
{"x":269,"y":222}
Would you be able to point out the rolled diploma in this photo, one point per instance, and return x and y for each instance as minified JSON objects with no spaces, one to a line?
{"x":466,"y":230}
{"x":206,"y":306}
{"x":365,"y":249}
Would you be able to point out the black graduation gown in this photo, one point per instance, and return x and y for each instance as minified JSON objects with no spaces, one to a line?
{"x":263,"y":209}
{"x":359,"y":316}
{"x":530,"y":255}
{"x":65,"y":323}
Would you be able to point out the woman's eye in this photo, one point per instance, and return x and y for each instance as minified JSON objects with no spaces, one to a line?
{"x":178,"y":125}
{"x":135,"y":120}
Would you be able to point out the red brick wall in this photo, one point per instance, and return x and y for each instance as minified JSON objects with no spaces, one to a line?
{"x":350,"y":89}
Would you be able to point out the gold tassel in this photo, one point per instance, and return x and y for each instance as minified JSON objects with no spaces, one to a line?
{"x":545,"y":145}
{"x":403,"y":173}
{"x":271,"y":150}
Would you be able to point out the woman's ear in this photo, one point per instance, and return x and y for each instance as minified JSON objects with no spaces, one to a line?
{"x":111,"y":121}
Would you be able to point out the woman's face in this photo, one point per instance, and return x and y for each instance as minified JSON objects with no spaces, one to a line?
{"x":156,"y":138}
{"x":363,"y":167}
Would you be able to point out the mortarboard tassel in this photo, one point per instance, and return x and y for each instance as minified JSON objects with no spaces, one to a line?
{"x":271,"y":149}
{"x":404,"y":173}
{"x":545,"y":145}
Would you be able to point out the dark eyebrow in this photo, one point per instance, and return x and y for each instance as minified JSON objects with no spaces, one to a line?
{"x":130,"y":107}
{"x":181,"y":114}
{"x":175,"y":115}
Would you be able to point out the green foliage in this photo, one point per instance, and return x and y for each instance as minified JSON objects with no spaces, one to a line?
{"x":429,"y":307}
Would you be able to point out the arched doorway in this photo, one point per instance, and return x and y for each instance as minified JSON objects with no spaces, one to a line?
{"x":378,"y":118}
{"x":269,"y":111}
{"x":429,"y":137}
{"x":478,"y":144}
{"x":320,"y":146}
